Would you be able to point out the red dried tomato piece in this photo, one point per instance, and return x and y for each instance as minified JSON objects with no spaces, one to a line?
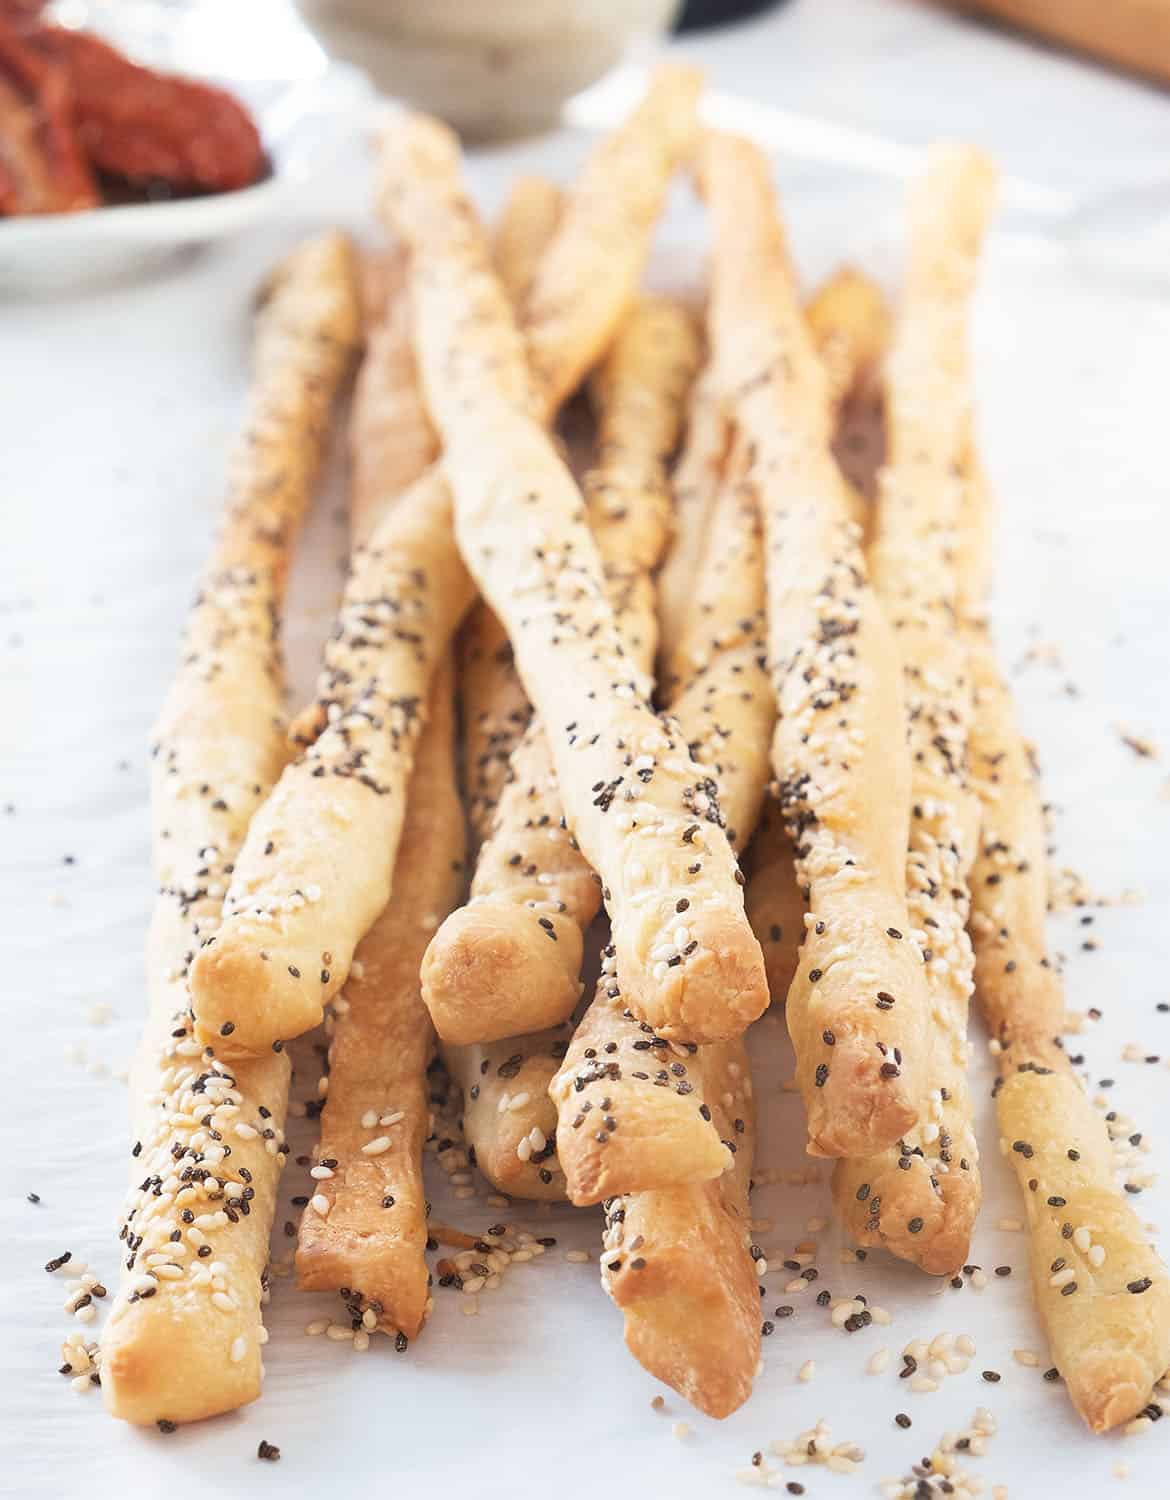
{"x":42,"y":168}
{"x":147,"y":126}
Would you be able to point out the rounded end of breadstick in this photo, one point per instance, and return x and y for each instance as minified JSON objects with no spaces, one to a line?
{"x":854,"y":1107}
{"x":177,"y":1369}
{"x":1108,"y":1386}
{"x":495,"y":970}
{"x":709,"y":990}
{"x":247,"y":998}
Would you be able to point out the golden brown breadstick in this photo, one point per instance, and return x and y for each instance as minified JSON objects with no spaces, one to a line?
{"x":509,"y":1121}
{"x":849,"y":320}
{"x":492,"y":970}
{"x":494,"y":705}
{"x":1110,"y":1337}
{"x":694,"y":486}
{"x":678,"y":1263}
{"x":571,"y":314}
{"x":609,"y":749}
{"x":632,"y":1111}
{"x":857,"y":1010}
{"x":774,"y":900}
{"x":184,"y":1338}
{"x":528,"y":221}
{"x":391,"y":440}
{"x":316,"y":867}
{"x":365,"y":1227}
{"x":913,"y":565}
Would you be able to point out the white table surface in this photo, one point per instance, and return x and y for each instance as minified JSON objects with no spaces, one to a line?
{"x":118,"y":407}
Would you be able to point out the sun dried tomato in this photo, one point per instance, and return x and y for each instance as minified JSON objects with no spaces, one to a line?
{"x":150,"y":127}
{"x":42,"y":169}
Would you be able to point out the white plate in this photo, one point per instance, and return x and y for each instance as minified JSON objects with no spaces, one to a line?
{"x":301,"y":121}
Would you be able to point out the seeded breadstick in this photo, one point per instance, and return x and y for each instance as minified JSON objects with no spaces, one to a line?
{"x":913,"y":563}
{"x":508,"y":1117}
{"x":184,"y":1338}
{"x":571,"y":315}
{"x":1110,"y":1335}
{"x":494,"y":705}
{"x":678,"y":1263}
{"x":549,"y":592}
{"x":492,"y":970}
{"x":620,"y":1080}
{"x":365,"y":1227}
{"x":391,"y":440}
{"x":857,"y":1010}
{"x":316,"y":866}
{"x":849,"y":322}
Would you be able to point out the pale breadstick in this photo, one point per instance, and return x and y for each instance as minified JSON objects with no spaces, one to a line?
{"x":365,"y":1228}
{"x":549,"y":592}
{"x":509,"y":1121}
{"x":492,"y":970}
{"x":571,"y":314}
{"x":1110,"y":1338}
{"x":678,"y":1263}
{"x":391,"y":440}
{"x":857,"y":1010}
{"x":316,"y":867}
{"x":849,"y":320}
{"x":495,"y":708}
{"x":184,"y":1337}
{"x":913,"y":562}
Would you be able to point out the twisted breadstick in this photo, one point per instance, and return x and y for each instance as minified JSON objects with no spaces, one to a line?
{"x":926,"y":1210}
{"x":184,"y":1338}
{"x":656,"y":1095}
{"x":607,"y":744}
{"x":571,"y":314}
{"x":509,"y":1122}
{"x":857,"y":1011}
{"x":366,"y":1226}
{"x":491,"y":970}
{"x":316,"y":866}
{"x":391,"y":439}
{"x":1110,"y":1338}
{"x":677,"y":1261}
{"x":849,"y":322}
{"x":494,"y":704}
{"x":694,"y":485}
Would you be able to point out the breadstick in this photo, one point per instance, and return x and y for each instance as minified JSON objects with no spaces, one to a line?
{"x":509,"y":1121}
{"x":857,"y":1010}
{"x":694,"y":486}
{"x":572,"y":314}
{"x":1110,"y":1338}
{"x":492,"y":970}
{"x":391,"y":440}
{"x":913,"y":562}
{"x":677,"y":1262}
{"x":549,"y":592}
{"x":495,"y":708}
{"x":623,"y":1087}
{"x":849,"y":322}
{"x":184,"y":1338}
{"x":316,"y":867}
{"x":528,"y":223}
{"x":365,"y":1228}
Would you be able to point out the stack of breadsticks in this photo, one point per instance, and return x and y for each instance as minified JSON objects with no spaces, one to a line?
{"x":545,"y":697}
